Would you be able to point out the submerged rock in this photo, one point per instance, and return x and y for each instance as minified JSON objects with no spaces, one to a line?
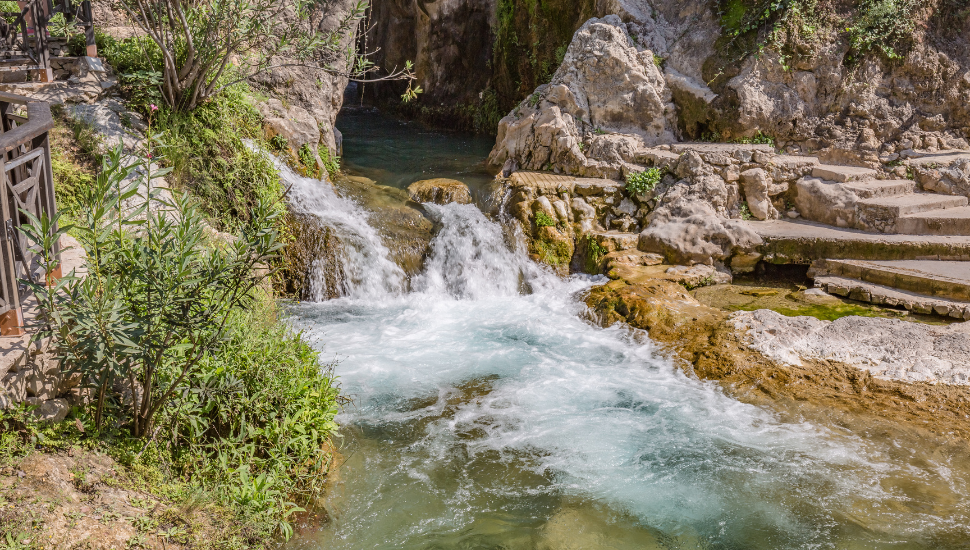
{"x":440,"y":191}
{"x":405,"y":230}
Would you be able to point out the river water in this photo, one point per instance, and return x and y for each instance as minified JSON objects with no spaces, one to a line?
{"x":489,"y":413}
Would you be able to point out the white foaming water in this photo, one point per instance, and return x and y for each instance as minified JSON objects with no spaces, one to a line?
{"x":367,"y":270}
{"x":488,"y":417}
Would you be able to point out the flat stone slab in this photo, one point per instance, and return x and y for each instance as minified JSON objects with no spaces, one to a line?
{"x":544,"y":182}
{"x":939,"y":279}
{"x":794,"y":161}
{"x":841,"y":174}
{"x":587,"y":187}
{"x":803,"y":242}
{"x":893,"y":349}
{"x":883,"y":295}
{"x":942,"y":158}
{"x":727,"y":148}
{"x":616,"y":241}
{"x":914,"y":203}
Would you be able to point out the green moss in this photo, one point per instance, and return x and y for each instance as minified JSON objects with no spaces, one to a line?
{"x":594,"y":254}
{"x":544,"y":220}
{"x":824,"y":312}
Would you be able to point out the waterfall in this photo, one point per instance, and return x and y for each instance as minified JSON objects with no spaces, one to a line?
{"x":364,"y":269}
{"x":471,"y":259}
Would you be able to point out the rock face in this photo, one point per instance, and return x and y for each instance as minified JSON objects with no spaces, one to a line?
{"x":449,"y":42}
{"x":694,"y":215}
{"x":440,"y":191}
{"x":607,"y":99}
{"x":823,"y":97}
{"x":312,"y":93}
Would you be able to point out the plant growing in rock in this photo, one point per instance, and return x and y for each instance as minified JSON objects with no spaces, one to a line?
{"x":544,"y":220}
{"x":745,"y":211}
{"x":642,"y":182}
{"x":202,"y":42}
{"x":594,"y":254}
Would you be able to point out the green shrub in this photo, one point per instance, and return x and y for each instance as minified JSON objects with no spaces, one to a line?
{"x":757,"y":139}
{"x":182,"y":324}
{"x":209,"y":157}
{"x":155,"y":299}
{"x":137,"y":61}
{"x":258,"y":419}
{"x":883,"y":25}
{"x":642,"y":182}
{"x":330,"y":161}
{"x":544,"y":220}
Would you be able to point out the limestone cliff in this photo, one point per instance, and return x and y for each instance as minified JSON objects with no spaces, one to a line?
{"x":853,"y":80}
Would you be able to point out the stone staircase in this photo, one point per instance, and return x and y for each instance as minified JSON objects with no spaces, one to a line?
{"x":848,"y":196}
{"x":884,"y":241}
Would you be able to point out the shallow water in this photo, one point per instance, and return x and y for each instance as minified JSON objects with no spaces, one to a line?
{"x":489,"y":414}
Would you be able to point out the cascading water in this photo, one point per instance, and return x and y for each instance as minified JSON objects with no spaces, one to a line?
{"x":488,"y":414}
{"x":364,"y":268}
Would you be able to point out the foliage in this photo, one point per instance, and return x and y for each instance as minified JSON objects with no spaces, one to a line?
{"x":745,"y":212}
{"x":531,"y":41}
{"x":487,"y":113}
{"x":201,"y":42}
{"x":882,"y":24}
{"x":544,"y":220}
{"x":757,"y":139}
{"x":252,"y":433}
{"x":331,"y":162}
{"x":59,"y":26}
{"x":75,"y":157}
{"x":135,"y":60}
{"x":209,"y":156}
{"x":254,"y":420}
{"x":642,"y":182}
{"x":155,"y":300}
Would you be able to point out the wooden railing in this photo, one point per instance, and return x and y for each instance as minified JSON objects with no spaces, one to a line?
{"x":24,"y":35}
{"x":27,"y":185}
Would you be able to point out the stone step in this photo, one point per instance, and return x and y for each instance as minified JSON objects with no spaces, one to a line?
{"x":952,"y":221}
{"x":914,"y":203}
{"x":842,"y":174}
{"x":939,"y":279}
{"x":880,"y":188}
{"x":802,"y":242}
{"x":884,"y":295}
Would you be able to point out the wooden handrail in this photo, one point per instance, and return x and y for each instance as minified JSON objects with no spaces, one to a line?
{"x":39,"y":121}
{"x":26,"y":185}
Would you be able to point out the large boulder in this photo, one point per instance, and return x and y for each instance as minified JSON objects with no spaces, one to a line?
{"x":608,"y":98}
{"x":690,"y":232}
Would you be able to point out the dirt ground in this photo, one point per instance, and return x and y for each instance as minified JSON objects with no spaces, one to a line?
{"x":84,"y":499}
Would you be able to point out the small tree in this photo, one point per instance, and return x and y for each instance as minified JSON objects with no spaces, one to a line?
{"x":201,"y":41}
{"x":158,"y":292}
